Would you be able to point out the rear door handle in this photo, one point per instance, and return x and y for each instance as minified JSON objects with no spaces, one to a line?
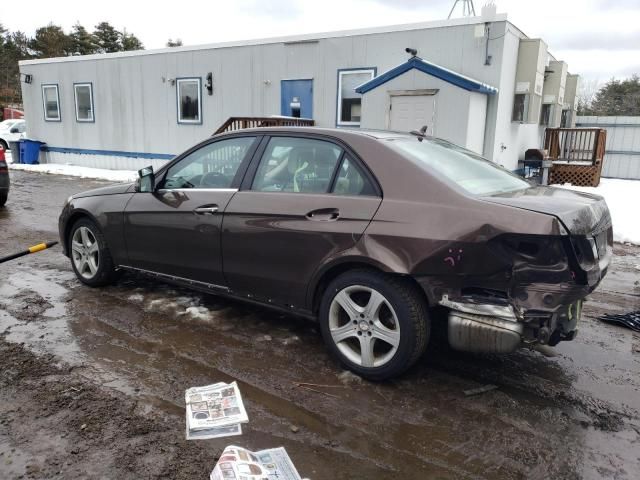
{"x":206,"y":210}
{"x":323,"y":214}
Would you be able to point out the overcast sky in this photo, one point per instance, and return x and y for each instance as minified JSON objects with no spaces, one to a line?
{"x":597,"y":38}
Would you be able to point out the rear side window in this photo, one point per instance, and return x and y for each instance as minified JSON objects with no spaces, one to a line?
{"x":351,"y":180}
{"x":459,"y":166}
{"x":300,"y":165}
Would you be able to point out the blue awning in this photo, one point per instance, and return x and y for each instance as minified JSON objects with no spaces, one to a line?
{"x":431,"y":69}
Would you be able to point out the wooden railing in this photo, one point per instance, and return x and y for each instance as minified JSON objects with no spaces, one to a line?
{"x":238,"y":123}
{"x":577,"y":155}
{"x":576,"y":145}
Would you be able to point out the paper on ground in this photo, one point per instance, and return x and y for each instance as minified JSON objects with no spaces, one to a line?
{"x":238,"y":463}
{"x":214,"y":411}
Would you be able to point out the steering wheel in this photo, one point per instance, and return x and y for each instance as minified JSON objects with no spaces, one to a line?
{"x":214,"y":179}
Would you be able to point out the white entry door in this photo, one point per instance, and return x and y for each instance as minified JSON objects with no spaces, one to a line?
{"x":412,"y":112}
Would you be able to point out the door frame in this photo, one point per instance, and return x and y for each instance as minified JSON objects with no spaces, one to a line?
{"x":282,"y":82}
{"x":411,"y":93}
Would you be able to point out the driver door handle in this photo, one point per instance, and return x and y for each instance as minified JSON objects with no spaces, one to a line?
{"x":206,"y":209}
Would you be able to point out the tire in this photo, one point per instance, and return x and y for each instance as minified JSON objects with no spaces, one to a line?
{"x":4,"y":145}
{"x":3,"y":198}
{"x":365,"y":308}
{"x":91,"y":260}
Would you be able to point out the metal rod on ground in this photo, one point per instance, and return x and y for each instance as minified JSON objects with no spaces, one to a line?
{"x":34,"y":249}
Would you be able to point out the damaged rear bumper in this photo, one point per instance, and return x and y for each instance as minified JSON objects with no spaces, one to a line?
{"x":486,"y":328}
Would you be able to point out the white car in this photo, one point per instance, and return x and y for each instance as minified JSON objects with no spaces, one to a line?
{"x":11,"y":131}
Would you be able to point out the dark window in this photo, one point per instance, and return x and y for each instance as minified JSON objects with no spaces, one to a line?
{"x":351,"y":180}
{"x":213,"y":166}
{"x":520,"y":107}
{"x":84,"y":102}
{"x":564,"y":120}
{"x":51,"y":102}
{"x":349,"y":101}
{"x":545,"y":114}
{"x":301,"y":165}
{"x":189,"y":100}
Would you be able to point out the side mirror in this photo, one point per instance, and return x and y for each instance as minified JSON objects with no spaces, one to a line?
{"x":14,"y":130}
{"x":146,"y":180}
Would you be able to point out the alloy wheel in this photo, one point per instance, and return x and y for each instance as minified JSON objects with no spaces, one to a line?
{"x":85,"y":252}
{"x":364,"y":326}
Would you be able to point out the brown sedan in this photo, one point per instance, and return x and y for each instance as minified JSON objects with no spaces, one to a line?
{"x":369,"y":232}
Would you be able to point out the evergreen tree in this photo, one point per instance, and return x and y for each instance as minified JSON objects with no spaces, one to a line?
{"x":617,"y":97}
{"x":107,"y":38}
{"x":176,"y":43}
{"x":82,"y":42}
{"x":51,"y":41}
{"x":131,"y":42}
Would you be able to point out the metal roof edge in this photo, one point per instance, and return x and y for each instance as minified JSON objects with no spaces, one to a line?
{"x":501,"y":17}
{"x":457,"y":79}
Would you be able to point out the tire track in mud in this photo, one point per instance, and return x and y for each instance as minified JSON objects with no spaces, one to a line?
{"x":269,"y":401}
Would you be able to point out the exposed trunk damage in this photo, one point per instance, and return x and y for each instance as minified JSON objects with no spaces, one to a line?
{"x":537,"y":295}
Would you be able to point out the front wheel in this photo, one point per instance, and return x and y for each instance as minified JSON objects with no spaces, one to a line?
{"x":376,"y":324}
{"x":90,"y":257}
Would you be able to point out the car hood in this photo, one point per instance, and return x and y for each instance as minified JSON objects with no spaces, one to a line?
{"x":581,"y":213}
{"x":109,"y":190}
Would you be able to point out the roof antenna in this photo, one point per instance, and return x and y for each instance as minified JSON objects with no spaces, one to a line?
{"x":468,"y":10}
{"x":422,"y":134}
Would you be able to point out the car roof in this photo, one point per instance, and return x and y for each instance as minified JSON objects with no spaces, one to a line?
{"x":344,"y":133}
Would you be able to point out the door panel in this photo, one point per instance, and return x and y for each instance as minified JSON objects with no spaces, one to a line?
{"x":296,"y":98}
{"x":176,"y":229}
{"x":411,"y":112}
{"x":274,"y":242}
{"x":164,"y":232}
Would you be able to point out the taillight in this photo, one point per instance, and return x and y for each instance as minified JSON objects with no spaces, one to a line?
{"x":542,"y":250}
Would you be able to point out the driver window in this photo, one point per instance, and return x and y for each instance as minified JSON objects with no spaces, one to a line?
{"x":212,"y":166}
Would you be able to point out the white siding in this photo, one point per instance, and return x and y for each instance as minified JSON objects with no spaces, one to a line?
{"x":135,"y":100}
{"x":622,"y":158}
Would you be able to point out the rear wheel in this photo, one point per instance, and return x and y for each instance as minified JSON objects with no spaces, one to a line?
{"x":3,"y":198}
{"x":90,"y":257}
{"x":375,"y":324}
{"x":4,"y":145}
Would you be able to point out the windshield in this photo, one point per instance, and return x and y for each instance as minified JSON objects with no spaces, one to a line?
{"x":461,"y":166}
{"x":6,"y":124}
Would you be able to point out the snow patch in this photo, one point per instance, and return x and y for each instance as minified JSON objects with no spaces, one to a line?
{"x":78,"y":171}
{"x":621,"y":197}
{"x":348,"y":377}
{"x":200,"y":313}
{"x":136,"y":297}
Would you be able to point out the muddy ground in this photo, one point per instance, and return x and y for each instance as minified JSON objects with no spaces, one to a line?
{"x":92,"y":381}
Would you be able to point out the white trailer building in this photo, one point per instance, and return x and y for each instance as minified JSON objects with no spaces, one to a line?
{"x":477,"y":81}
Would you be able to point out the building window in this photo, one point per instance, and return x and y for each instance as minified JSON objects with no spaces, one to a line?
{"x":520,"y":107}
{"x":189,"y":91}
{"x":350,"y":102}
{"x":83,"y":93}
{"x":51,"y":103}
{"x":545,"y":114}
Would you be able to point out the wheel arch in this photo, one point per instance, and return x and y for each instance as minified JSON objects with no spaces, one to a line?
{"x":76,"y":215}
{"x":329,"y":272}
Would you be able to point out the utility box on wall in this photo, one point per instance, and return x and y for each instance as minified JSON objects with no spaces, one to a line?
{"x":570,"y":107}
{"x":555,"y":79}
{"x":532,"y":59}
